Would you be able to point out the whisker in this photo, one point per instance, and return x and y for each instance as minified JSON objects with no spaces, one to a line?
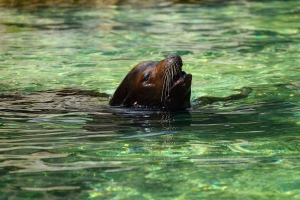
{"x":163,"y":89}
{"x":172,"y":70}
{"x":165,"y":85}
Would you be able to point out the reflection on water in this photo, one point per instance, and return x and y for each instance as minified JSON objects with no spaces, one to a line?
{"x":56,"y":146}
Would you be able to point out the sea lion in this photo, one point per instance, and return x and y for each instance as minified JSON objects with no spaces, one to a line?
{"x":160,"y":84}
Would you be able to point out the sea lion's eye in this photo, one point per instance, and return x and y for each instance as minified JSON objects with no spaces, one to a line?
{"x":146,"y":77}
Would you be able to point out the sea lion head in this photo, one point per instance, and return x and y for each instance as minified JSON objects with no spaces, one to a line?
{"x":155,"y":84}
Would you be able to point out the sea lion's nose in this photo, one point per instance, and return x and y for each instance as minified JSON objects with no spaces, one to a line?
{"x":174,"y":58}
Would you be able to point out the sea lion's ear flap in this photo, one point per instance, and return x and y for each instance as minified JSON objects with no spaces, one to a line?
{"x":126,"y":101}
{"x":119,"y":97}
{"x":122,"y":95}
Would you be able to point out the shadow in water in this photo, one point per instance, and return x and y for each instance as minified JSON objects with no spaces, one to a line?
{"x":90,"y":110}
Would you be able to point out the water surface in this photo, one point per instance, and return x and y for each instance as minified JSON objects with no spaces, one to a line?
{"x":81,"y":149}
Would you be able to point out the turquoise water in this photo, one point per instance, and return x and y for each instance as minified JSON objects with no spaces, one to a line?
{"x":81,"y":149}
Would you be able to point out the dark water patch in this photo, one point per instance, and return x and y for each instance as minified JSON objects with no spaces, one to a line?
{"x":30,"y":27}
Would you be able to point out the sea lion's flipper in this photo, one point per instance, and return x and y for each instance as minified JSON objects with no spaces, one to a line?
{"x":74,"y":91}
{"x":244,"y":92}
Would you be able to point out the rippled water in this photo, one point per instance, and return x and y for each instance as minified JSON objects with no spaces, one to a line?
{"x":75,"y":147}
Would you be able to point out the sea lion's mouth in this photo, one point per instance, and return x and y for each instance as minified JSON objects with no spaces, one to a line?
{"x":175,"y":79}
{"x":179,"y":79}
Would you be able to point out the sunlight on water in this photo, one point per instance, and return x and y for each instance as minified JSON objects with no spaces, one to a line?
{"x":76,"y":147}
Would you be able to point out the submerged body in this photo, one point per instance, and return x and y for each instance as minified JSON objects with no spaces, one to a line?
{"x":160,"y":84}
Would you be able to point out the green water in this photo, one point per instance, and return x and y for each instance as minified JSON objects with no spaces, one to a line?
{"x":245,"y":149}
